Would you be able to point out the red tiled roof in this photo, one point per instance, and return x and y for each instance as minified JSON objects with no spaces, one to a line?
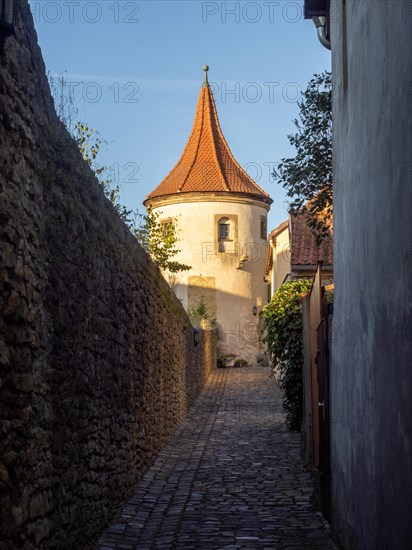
{"x":207,"y":164}
{"x":304,"y":250}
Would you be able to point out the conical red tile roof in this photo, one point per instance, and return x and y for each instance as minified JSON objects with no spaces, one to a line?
{"x":207,"y":164}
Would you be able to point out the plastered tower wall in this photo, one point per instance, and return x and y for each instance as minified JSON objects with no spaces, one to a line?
{"x":228,"y":286}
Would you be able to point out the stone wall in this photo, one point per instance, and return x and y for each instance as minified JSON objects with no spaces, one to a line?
{"x":371,"y":376}
{"x":98,"y":363}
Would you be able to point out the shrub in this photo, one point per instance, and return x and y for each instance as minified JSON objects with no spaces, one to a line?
{"x":283,"y":328}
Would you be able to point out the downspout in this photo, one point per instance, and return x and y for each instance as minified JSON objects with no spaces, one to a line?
{"x":320,"y":23}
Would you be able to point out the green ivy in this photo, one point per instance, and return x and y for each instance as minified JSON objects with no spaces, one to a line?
{"x":283,"y":329}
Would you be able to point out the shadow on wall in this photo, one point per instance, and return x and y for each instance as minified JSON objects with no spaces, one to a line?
{"x":97,"y":354}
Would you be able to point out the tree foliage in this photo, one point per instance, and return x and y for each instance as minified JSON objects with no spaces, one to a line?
{"x":160,"y":241}
{"x":308,"y":176}
{"x":283,"y":328}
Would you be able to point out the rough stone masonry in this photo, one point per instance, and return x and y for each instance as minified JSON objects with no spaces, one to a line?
{"x":98,"y":363}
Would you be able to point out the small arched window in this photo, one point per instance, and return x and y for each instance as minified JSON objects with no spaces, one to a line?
{"x":263,"y":227}
{"x":224,"y":228}
{"x":166,"y":226}
{"x":223,"y":233}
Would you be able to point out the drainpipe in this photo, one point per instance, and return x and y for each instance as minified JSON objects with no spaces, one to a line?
{"x":320,"y":23}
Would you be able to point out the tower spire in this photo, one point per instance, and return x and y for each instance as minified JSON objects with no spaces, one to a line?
{"x":205,"y":81}
{"x":207,"y":165}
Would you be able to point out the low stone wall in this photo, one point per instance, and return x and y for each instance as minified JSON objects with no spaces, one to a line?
{"x":97,"y":356}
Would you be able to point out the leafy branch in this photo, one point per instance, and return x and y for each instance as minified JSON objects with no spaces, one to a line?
{"x":160,"y":240}
{"x":308,"y":175}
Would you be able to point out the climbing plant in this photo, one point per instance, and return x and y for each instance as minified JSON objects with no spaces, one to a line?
{"x":283,"y":334}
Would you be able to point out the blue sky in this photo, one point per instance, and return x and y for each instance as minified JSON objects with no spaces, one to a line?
{"x":136,"y":71}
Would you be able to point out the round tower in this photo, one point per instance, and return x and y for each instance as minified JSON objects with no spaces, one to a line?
{"x":220,"y":216}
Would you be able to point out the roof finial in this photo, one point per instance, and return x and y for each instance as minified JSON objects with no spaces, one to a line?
{"x":205,"y":81}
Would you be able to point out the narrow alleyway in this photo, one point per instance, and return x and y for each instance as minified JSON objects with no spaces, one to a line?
{"x":230,"y":478}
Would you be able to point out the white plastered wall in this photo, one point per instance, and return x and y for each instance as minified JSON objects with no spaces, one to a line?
{"x":239,"y":287}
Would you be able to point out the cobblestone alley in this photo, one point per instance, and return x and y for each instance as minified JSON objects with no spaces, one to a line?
{"x":230,"y":478}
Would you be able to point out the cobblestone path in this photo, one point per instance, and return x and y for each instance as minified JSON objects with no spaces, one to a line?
{"x":230,"y":478}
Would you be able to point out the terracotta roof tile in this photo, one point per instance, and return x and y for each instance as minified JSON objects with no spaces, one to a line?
{"x":207,"y":163}
{"x":304,"y":250}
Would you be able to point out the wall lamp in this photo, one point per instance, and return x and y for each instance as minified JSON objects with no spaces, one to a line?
{"x":8,"y":9}
{"x":254,"y":310}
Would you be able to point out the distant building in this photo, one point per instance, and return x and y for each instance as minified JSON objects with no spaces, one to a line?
{"x":278,"y":257}
{"x":293,"y":253}
{"x":220,"y":215}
